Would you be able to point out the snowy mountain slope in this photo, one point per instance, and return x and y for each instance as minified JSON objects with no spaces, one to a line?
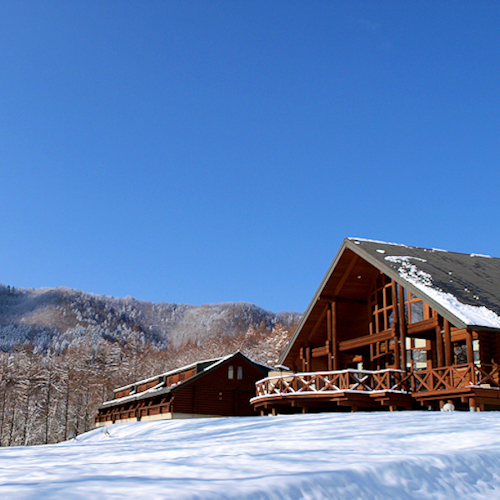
{"x":60,"y":317}
{"x":362,"y":456}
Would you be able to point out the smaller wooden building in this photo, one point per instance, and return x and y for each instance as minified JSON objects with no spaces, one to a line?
{"x":210,"y":388}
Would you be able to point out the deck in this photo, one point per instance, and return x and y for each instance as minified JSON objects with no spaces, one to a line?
{"x":391,"y":388}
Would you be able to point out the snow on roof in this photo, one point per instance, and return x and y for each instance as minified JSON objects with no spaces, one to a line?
{"x":469,"y":314}
{"x":135,"y":395}
{"x":366,"y":240}
{"x":465,"y":285}
{"x":166,"y":374}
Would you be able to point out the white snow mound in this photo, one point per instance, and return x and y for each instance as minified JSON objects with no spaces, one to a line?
{"x":362,"y":456}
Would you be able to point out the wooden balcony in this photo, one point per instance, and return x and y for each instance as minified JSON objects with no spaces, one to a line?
{"x":389,"y":387}
{"x":346,"y":387}
{"x":467,"y":380}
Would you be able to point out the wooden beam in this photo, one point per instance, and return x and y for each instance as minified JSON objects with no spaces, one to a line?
{"x":372,"y":346}
{"x":329,"y":324}
{"x":329,"y":339}
{"x":422,"y":326}
{"x":335,"y":338}
{"x":365,"y":340}
{"x":319,"y":352}
{"x":439,"y":346}
{"x":303,"y":359}
{"x":402,"y":326}
{"x":447,"y":343}
{"x":397,"y":358}
{"x":346,"y":275}
{"x":470,"y":349}
{"x":331,"y":298}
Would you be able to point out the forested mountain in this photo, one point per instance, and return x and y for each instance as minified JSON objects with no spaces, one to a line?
{"x":56,"y":318}
{"x":62,"y":351}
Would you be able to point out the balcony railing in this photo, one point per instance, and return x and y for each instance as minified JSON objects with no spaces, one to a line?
{"x":332,"y":382}
{"x":455,"y":377}
{"x":435,"y":380}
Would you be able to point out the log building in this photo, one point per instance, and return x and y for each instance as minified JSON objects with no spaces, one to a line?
{"x":216,"y":387}
{"x":394,"y":327}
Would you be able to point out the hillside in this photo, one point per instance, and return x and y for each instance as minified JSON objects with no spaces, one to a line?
{"x":62,"y":352}
{"x":58,"y":318}
{"x":341,"y":456}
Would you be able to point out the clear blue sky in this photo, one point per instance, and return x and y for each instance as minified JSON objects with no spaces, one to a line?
{"x":210,"y":151}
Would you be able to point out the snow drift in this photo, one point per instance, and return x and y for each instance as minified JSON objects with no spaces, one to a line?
{"x":404,"y":456}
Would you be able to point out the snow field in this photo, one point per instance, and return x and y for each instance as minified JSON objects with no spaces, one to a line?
{"x":336,"y":456}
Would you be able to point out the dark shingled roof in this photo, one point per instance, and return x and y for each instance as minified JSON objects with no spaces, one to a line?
{"x":473,"y":279}
{"x":449,"y":282}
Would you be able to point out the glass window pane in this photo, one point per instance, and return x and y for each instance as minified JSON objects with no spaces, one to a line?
{"x":417,"y":311}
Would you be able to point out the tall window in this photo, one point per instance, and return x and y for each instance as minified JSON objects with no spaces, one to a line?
{"x":230,"y":372}
{"x":381,"y":304}
{"x":239,"y":375}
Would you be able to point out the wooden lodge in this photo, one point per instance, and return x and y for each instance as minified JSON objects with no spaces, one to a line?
{"x":393,"y":327}
{"x":216,"y":387}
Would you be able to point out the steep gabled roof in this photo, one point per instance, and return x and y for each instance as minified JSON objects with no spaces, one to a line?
{"x":463,"y":288}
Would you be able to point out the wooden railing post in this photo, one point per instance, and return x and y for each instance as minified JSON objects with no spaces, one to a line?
{"x":473,"y":377}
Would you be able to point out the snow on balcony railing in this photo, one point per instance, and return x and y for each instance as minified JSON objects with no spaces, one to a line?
{"x":332,"y":382}
{"x":371,"y":382}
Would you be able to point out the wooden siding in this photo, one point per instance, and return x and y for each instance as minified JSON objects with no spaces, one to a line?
{"x":215,"y":394}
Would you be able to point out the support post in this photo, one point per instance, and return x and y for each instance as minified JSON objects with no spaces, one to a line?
{"x":470,"y":349}
{"x":472,"y":404}
{"x":397,"y":356}
{"x":372,"y":347}
{"x":447,"y":343}
{"x":303,"y":359}
{"x":329,"y":337}
{"x":439,"y":346}
{"x":402,"y":327}
{"x":335,"y":340}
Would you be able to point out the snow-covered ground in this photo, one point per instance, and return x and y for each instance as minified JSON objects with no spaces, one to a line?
{"x":403,"y":455}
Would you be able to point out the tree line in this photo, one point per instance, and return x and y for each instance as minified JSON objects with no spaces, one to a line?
{"x":51,"y":396}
